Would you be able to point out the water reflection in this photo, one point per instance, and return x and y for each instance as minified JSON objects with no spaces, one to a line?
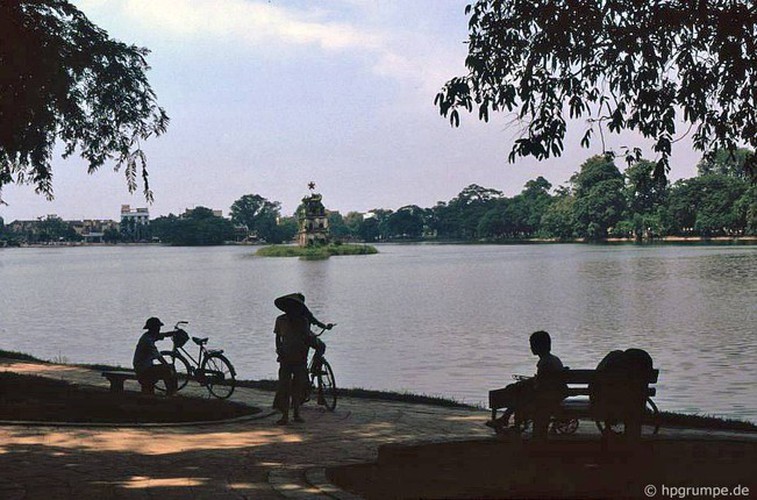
{"x":451,"y":320}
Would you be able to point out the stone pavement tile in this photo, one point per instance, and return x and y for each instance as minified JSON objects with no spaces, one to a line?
{"x":317,"y":477}
{"x":252,"y":459}
{"x":291,"y":483}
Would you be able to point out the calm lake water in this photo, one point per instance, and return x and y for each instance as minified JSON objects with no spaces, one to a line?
{"x":449,"y":320}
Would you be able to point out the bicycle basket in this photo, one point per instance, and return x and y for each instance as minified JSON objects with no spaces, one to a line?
{"x":180,"y":338}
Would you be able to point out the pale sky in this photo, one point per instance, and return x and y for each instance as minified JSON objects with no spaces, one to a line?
{"x":265,"y":96}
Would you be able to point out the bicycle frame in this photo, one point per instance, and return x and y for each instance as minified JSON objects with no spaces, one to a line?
{"x":321,"y":379}
{"x":211,"y":369}
{"x":195,"y":363}
{"x":315,"y":356}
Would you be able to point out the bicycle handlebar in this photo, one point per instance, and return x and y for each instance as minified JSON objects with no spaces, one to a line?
{"x":323,"y":330}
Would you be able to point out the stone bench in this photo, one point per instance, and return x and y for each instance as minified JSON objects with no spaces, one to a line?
{"x":117,"y":378}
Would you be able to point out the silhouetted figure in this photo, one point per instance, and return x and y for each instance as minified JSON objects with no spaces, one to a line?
{"x":149,"y":364}
{"x":618,"y":392}
{"x":535,"y":397}
{"x":293,"y":341}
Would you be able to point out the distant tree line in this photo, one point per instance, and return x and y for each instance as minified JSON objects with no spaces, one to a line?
{"x":253,"y":218}
{"x":49,"y":229}
{"x":598,"y":202}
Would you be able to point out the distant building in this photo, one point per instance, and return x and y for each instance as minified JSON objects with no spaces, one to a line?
{"x":134,"y":223}
{"x":93,"y":230}
{"x":24,"y":226}
{"x":138,"y":215}
{"x":313,"y":220}
{"x":188,"y":211}
{"x":53,"y":228}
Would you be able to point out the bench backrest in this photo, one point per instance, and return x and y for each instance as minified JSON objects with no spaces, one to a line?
{"x":586,"y":377}
{"x":579,"y":381}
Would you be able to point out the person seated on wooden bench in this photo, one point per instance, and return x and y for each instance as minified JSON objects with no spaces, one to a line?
{"x":534,"y":397}
{"x":149,"y":364}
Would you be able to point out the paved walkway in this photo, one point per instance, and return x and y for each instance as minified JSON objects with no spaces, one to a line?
{"x":250,"y":459}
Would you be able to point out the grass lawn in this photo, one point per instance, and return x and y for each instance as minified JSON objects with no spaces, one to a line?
{"x":315,"y":252}
{"x":41,"y":399}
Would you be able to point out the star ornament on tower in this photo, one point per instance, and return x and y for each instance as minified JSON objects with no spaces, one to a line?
{"x":311,"y":185}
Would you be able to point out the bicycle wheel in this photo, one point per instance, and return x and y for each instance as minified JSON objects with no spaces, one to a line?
{"x":326,"y":386}
{"x":219,"y":375}
{"x":564,"y":426}
{"x":610,"y":426}
{"x":181,"y":366}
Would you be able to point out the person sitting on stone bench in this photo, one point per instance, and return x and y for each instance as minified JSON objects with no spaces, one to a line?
{"x":535,"y":397}
{"x":149,"y":364}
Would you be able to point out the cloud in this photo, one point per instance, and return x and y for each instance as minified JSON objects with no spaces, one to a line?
{"x":387,"y":38}
{"x":252,"y":22}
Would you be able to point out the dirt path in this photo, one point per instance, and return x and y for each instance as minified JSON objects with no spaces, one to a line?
{"x":251,"y":459}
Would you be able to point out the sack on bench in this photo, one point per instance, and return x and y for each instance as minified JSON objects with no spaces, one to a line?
{"x":618,"y":390}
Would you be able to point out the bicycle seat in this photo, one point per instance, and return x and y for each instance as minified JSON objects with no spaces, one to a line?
{"x":199,"y":341}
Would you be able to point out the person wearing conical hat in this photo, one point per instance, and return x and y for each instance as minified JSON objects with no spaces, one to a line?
{"x":295,"y":303}
{"x":149,"y":364}
{"x":293,"y":341}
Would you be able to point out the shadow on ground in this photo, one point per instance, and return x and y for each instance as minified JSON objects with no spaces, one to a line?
{"x":574,"y":468}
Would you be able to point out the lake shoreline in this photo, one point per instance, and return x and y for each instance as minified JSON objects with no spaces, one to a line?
{"x":667,"y":419}
{"x":746,"y":240}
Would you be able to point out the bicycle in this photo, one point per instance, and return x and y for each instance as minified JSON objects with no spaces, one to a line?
{"x":211,"y":369}
{"x":321,"y":379}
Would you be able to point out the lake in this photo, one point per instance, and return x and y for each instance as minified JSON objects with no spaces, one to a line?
{"x":451,"y":320}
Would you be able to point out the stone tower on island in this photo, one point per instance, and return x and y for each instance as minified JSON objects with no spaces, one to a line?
{"x":314,"y":225}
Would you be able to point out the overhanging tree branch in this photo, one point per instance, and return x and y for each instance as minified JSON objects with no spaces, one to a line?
{"x":64,"y":79}
{"x":658,"y":58}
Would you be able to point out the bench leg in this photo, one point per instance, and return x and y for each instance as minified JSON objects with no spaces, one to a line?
{"x":633,"y":429}
{"x":116,"y":385}
{"x":541,"y":425}
{"x":148,"y":387}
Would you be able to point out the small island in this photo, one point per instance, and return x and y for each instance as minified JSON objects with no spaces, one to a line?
{"x":316,"y":251}
{"x":313,"y":241}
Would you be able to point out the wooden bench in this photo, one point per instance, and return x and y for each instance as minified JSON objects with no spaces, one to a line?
{"x":576,"y":405}
{"x":117,"y":379}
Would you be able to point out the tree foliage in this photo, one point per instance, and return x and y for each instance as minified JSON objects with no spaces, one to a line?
{"x":559,"y":219}
{"x":286,"y":230}
{"x":731,"y":163}
{"x":64,"y":79}
{"x":55,"y":229}
{"x":708,"y":205}
{"x":199,"y":226}
{"x":406,"y":222}
{"x":641,"y":65}
{"x":599,"y":203}
{"x":259,"y":215}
